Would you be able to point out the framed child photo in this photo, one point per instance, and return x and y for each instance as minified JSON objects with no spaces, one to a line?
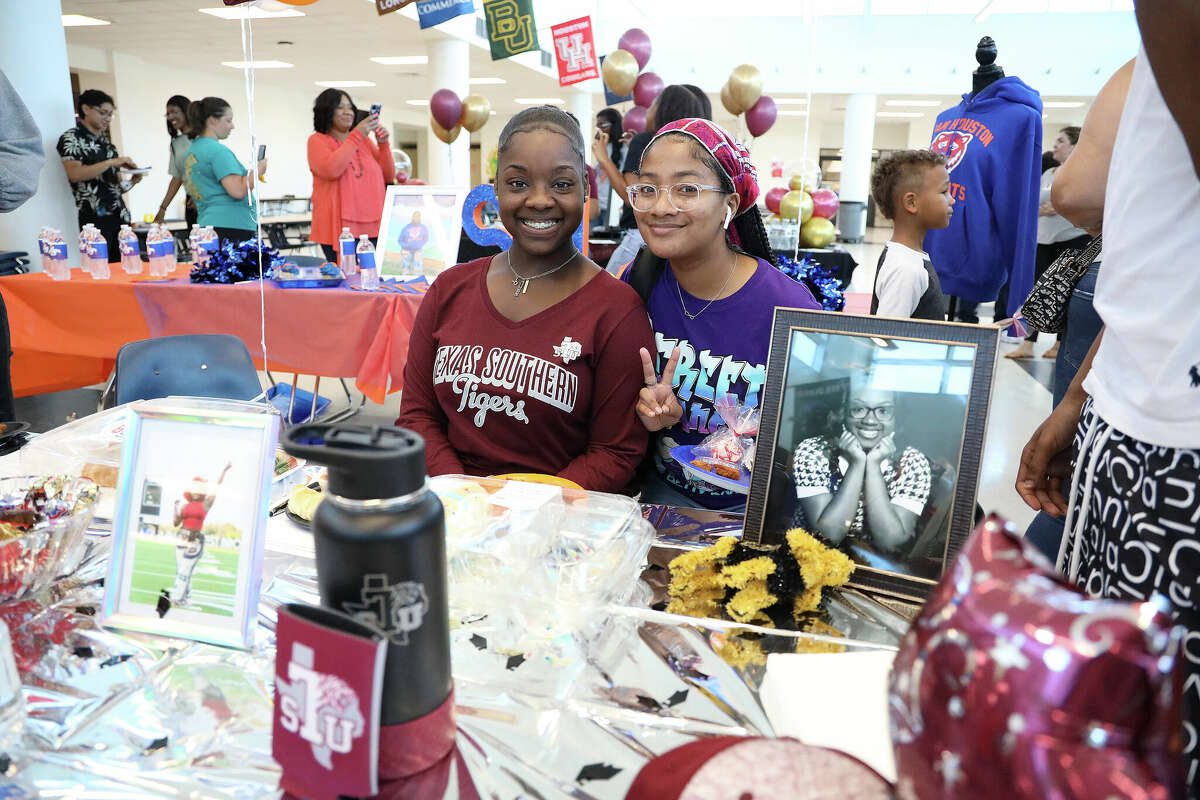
{"x":870,"y":438}
{"x":420,"y":231}
{"x":188,"y":532}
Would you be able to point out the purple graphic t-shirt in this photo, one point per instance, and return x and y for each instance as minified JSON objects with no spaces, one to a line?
{"x":723,"y":350}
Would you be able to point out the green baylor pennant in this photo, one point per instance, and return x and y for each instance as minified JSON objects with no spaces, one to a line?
{"x":510,"y":26}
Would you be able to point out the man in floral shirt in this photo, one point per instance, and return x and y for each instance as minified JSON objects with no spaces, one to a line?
{"x":92,"y":166}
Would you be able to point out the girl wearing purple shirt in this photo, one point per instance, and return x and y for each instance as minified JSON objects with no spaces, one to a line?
{"x":711,"y":286}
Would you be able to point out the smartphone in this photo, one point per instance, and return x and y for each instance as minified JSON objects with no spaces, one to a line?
{"x":262,"y":152}
{"x":376,"y":108}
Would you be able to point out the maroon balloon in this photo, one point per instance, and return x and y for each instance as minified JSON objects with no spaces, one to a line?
{"x":1012,"y":684}
{"x":635,"y":119}
{"x":636,"y":42}
{"x":446,"y":108}
{"x":648,"y":87}
{"x":774,"y":197}
{"x":825,"y":203}
{"x":761,"y":116}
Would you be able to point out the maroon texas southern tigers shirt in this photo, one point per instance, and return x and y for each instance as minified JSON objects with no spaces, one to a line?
{"x":553,"y":394}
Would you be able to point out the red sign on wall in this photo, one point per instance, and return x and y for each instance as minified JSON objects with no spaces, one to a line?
{"x":575,"y":49}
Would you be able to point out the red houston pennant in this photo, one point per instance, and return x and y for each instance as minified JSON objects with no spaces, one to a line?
{"x":575,"y":49}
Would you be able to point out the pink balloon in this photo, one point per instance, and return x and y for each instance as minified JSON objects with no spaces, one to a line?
{"x":635,"y":119}
{"x":648,"y":87}
{"x":446,"y":108}
{"x":773,"y":198}
{"x":825,"y":203}
{"x":637,"y":42}
{"x":761,"y":116}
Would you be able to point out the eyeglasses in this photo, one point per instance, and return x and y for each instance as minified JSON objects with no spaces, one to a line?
{"x":882,"y":413}
{"x":681,"y":196}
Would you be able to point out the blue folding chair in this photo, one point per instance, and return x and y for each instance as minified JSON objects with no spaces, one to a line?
{"x":195,"y":365}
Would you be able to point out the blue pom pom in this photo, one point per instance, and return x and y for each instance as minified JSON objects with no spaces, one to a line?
{"x":827,"y":289}
{"x":235,"y":262}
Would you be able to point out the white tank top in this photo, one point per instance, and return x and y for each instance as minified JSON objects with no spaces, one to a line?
{"x":1146,"y":376}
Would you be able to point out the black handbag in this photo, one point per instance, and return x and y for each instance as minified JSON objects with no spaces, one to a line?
{"x":1045,"y":309}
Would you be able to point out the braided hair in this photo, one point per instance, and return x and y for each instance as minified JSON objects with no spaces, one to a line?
{"x":546,"y":118}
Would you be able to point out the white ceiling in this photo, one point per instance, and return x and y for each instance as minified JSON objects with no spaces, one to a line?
{"x":335,"y":39}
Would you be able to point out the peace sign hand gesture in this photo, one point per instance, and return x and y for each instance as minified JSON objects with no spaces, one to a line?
{"x":657,"y":407}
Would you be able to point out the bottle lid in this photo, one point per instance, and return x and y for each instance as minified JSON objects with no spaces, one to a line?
{"x":366,"y":462}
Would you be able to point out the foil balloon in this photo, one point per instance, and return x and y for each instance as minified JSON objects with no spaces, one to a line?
{"x":476,"y":111}
{"x":727,"y":100}
{"x":796,"y":205}
{"x":620,"y":72}
{"x":1013,"y":684}
{"x":637,"y":42}
{"x":745,"y":86}
{"x":761,"y":116}
{"x":446,"y":108}
{"x":773,"y":198}
{"x":648,"y":87}
{"x":825,"y":203}
{"x":817,"y":232}
{"x":635,"y":119}
{"x":446,"y":135}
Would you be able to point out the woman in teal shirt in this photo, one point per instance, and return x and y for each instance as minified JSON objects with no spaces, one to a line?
{"x":214,"y":177}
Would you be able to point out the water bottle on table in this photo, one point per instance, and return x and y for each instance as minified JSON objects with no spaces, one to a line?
{"x":194,"y":243}
{"x":346,"y":258}
{"x":366,"y":263}
{"x":131,"y":252}
{"x":98,"y":250}
{"x":85,"y":237}
{"x":156,"y":247}
{"x":56,"y":255}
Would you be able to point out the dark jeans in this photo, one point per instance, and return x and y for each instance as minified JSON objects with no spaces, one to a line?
{"x":1083,"y":325}
{"x":110,"y":227}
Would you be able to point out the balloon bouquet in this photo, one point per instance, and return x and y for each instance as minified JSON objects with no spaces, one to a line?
{"x":743,"y":94}
{"x":449,"y":114}
{"x":623,"y":76}
{"x":805,"y":204}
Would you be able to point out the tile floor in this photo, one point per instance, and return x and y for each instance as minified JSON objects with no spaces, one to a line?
{"x":1020,"y":401}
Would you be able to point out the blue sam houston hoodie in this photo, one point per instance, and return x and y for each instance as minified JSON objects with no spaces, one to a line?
{"x":993,"y":148}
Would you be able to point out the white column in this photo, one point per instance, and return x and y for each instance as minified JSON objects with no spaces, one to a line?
{"x":33,"y":56}
{"x":858,"y":134}
{"x":450,"y":68}
{"x":579,"y":103}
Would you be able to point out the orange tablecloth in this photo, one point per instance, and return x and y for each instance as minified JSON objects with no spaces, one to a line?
{"x":65,"y":334}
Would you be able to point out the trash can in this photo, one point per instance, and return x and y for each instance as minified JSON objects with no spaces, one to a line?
{"x":852,"y":220}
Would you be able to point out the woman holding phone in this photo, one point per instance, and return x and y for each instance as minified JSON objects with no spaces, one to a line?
{"x":350,"y":171}
{"x":215,"y":179}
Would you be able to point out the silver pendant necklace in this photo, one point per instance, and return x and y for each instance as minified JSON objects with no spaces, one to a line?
{"x":720,"y":291}
{"x":521,"y":283}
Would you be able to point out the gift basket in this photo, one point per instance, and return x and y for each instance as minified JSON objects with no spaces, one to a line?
{"x":533,"y":569}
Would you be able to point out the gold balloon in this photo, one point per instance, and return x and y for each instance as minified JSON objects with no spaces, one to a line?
{"x":817,"y":232}
{"x":727,"y":101}
{"x":476,"y":112}
{"x":798,"y":183}
{"x":620,"y":72}
{"x":796,"y":205}
{"x":446,"y":136}
{"x":745,"y":86}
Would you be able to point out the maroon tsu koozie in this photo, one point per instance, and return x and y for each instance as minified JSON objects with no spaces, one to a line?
{"x":1013,"y":684}
{"x":328,"y":683}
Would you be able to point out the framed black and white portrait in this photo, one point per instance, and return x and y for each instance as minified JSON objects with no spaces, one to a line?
{"x":870,"y":438}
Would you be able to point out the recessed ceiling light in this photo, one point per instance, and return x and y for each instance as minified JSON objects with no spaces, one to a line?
{"x":417,"y":102}
{"x":344,"y":84}
{"x":249,"y":12}
{"x":791,"y":101}
{"x":541,"y":101}
{"x":793,"y":114}
{"x":486,"y":81}
{"x":899,"y":114}
{"x":400,"y":60}
{"x":79,"y":21}
{"x":1062,"y":104}
{"x":257,"y":64}
{"x":913,"y":103}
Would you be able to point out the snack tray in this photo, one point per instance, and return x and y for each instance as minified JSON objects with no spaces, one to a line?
{"x":683,"y":454}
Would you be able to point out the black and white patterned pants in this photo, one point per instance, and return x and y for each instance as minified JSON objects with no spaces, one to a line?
{"x":1141,"y":537}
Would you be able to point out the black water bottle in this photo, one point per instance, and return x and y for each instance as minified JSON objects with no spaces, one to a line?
{"x":381,"y":555}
